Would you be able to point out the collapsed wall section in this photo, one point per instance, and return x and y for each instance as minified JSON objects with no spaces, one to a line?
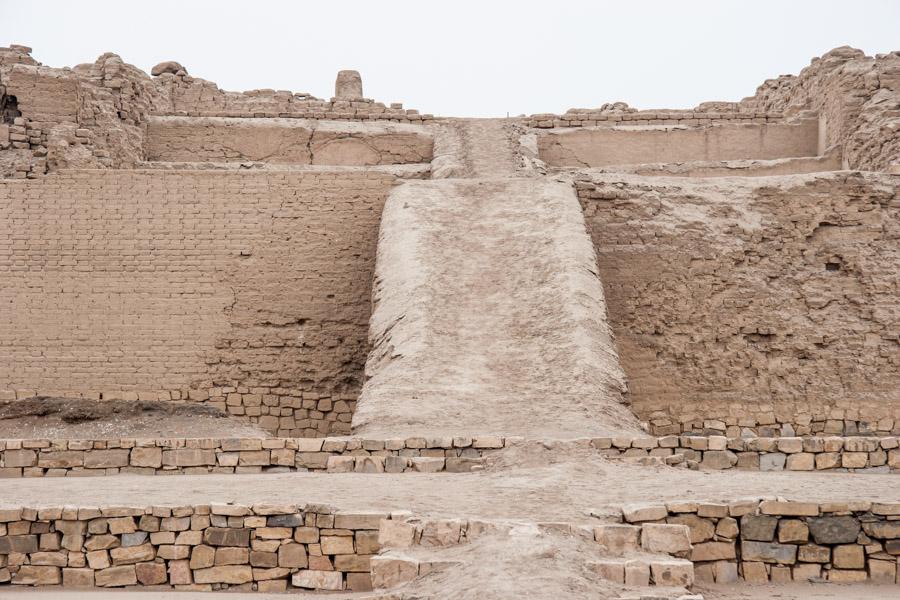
{"x":750,"y":302}
{"x":489,"y":316}
{"x":246,"y":290}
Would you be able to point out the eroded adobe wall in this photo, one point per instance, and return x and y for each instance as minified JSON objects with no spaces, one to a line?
{"x":858,"y":97}
{"x":250,"y":290}
{"x":602,"y":146}
{"x":753,"y":301}
{"x":285,"y":141}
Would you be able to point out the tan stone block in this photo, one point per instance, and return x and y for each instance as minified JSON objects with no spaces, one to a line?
{"x":151,"y":573}
{"x":854,"y":460}
{"x":802,"y":461}
{"x":440,"y":532}
{"x":202,"y":557}
{"x":120,"y":525}
{"x":845,"y":576}
{"x":727,"y":528}
{"x":98,"y":559}
{"x":806,"y":572}
{"x":701,"y":529}
{"x":359,"y":582}
{"x":106,"y":459}
{"x":321,"y":580}
{"x":849,"y":556}
{"x":668,"y":539}
{"x":61,"y":460}
{"x":726,"y":572}
{"x":754,"y":572}
{"x":306,"y":535}
{"x":270,"y":574}
{"x":293,"y":556}
{"x":672,"y":573}
{"x":780,"y":574}
{"x":36,"y":575}
{"x":790,"y":445}
{"x":828,"y":460}
{"x":147,"y":457}
{"x":115,"y":576}
{"x":180,"y":572}
{"x":883,"y":571}
{"x":234,"y":574}
{"x":357,"y":563}
{"x":132,"y":554}
{"x":50,"y":559}
{"x":336,"y":544}
{"x":637,"y":513}
{"x":710,"y":551}
{"x":610,"y":570}
{"x":101,"y":542}
{"x":78,"y":578}
{"x":391,"y":534}
{"x":793,"y":531}
{"x":232,"y":556}
{"x":811,"y":553}
{"x":789,"y":509}
{"x":172,"y":552}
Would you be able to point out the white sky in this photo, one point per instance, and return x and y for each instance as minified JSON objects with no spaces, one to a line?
{"x":465,"y":58}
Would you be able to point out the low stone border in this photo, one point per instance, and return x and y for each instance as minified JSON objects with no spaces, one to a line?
{"x":204,"y":547}
{"x":850,"y":454}
{"x":763,"y":540}
{"x":73,"y":458}
{"x":770,"y":425}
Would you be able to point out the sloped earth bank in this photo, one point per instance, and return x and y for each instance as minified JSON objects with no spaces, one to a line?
{"x":76,"y":418}
{"x":489,"y":316}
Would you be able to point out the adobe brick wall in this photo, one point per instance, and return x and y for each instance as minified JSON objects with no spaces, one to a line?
{"x":248,"y":290}
{"x":748,"y":302}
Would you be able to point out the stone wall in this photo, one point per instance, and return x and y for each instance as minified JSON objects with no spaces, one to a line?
{"x":285,"y":141}
{"x":765,"y":540}
{"x":220,"y":546}
{"x":602,"y":146}
{"x":585,"y":117}
{"x":765,"y":301}
{"x":195,"y":456}
{"x":246,"y":290}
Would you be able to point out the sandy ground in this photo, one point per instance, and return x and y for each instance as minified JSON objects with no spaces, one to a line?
{"x":800,"y":591}
{"x":489,"y":316}
{"x":74,"y":418}
{"x":543,"y":487}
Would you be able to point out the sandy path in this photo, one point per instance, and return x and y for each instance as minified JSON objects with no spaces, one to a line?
{"x":489,"y":316}
{"x":564,"y":491}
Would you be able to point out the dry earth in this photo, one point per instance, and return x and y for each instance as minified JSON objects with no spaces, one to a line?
{"x":74,"y":418}
{"x":543,"y":486}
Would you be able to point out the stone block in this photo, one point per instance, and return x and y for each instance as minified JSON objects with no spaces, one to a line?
{"x":812,"y":553}
{"x":226,"y":536}
{"x":78,"y":578}
{"x":760,"y":528}
{"x":336,"y":544}
{"x":231,"y":556}
{"x":232,"y":574}
{"x":19,"y":458}
{"x":359,"y":582}
{"x":710,"y":551}
{"x":846,"y":576}
{"x":806,"y":572}
{"x":133,"y":554}
{"x":610,"y":570}
{"x":21,"y":544}
{"x":718,"y":459}
{"x":754,"y":572}
{"x":834,"y":530}
{"x":701,"y":529}
{"x":768,"y":552}
{"x":789,"y":509}
{"x":849,"y":556}
{"x":356,"y":563}
{"x":292,"y":555}
{"x":637,"y":513}
{"x":151,"y":573}
{"x":396,"y":534}
{"x":673,"y":573}
{"x":146,"y":457}
{"x":61,"y":460}
{"x":772,"y":461}
{"x":802,"y":461}
{"x":637,"y":573}
{"x":726,"y":571}
{"x":202,"y":557}
{"x":180,"y":572}
{"x":320,"y":580}
{"x":883,"y":571}
{"x":106,"y":459}
{"x":37,"y":575}
{"x":793,"y":531}
{"x":668,"y":539}
{"x":116,"y":576}
{"x":882,"y":529}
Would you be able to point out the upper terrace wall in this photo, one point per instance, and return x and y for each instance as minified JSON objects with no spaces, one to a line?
{"x":246,"y":289}
{"x":285,"y":141}
{"x":747,"y":301}
{"x":619,"y":145}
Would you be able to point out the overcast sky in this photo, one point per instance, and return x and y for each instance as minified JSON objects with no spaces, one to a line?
{"x":465,"y":58}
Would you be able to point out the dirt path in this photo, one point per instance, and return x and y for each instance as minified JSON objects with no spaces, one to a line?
{"x":489,"y":316}
{"x":539,"y":490}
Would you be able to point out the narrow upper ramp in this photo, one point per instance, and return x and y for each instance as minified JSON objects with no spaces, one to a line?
{"x":489,"y":316}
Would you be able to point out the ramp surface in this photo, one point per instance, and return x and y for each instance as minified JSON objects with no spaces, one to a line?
{"x":489,"y":316}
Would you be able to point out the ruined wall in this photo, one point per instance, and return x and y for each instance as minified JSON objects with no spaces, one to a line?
{"x":286,"y":141}
{"x":250,"y":290}
{"x":858,"y":96}
{"x":601,"y":146}
{"x":752,"y":301}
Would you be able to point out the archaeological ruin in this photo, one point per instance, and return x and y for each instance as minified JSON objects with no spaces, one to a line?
{"x":606,"y":353}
